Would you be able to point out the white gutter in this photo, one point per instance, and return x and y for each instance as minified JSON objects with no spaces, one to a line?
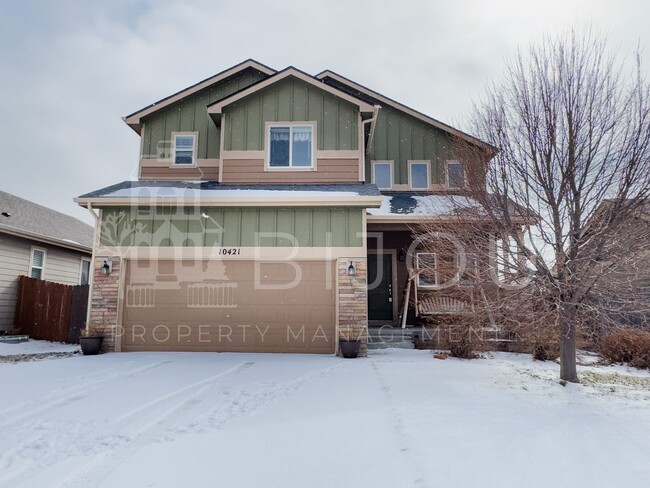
{"x":372,"y":120}
{"x":284,"y":201}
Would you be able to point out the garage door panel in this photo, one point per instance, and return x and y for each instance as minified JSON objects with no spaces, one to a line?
{"x":203,"y":306}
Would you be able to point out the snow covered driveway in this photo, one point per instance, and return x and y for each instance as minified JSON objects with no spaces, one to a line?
{"x":397,"y":418}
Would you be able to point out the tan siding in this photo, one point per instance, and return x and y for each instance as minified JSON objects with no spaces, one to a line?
{"x":14,"y":261}
{"x":166,"y":173}
{"x":327,"y":171}
{"x":61,"y":265}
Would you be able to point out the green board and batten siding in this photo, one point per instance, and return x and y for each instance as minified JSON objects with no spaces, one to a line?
{"x":190,"y":114}
{"x":291,"y":100}
{"x":400,"y":137}
{"x":232,"y":227}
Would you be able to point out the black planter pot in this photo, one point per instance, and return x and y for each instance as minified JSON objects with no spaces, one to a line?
{"x":349,"y":349}
{"x":91,"y":345}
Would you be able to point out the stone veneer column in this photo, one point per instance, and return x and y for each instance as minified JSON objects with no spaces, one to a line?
{"x":353,"y":300}
{"x":103,"y":303}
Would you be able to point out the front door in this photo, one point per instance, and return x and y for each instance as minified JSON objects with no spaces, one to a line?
{"x":380,"y":287}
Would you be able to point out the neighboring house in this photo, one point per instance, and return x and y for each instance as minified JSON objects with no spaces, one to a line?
{"x":265,"y":199}
{"x":39,"y":242}
{"x":621,"y":292}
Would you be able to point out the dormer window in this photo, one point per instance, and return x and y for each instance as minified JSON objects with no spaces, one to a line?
{"x":455,"y":175}
{"x":184,"y":149}
{"x":290,"y":146}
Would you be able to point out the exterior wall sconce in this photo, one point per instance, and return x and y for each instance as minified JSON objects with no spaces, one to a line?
{"x":351,"y":269}
{"x":107,"y":267}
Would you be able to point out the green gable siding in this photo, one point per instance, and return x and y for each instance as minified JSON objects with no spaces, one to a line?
{"x":190,"y":114}
{"x":401,"y":137}
{"x":231,"y":227}
{"x":291,"y":100}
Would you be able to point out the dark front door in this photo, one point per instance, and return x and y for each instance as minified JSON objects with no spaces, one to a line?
{"x":380,"y":287}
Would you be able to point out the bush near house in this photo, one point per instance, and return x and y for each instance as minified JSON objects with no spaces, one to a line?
{"x":630,"y":346}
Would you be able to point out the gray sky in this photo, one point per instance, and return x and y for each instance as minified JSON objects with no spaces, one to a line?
{"x":69,"y":70}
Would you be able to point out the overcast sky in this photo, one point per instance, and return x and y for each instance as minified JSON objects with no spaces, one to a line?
{"x":69,"y":70}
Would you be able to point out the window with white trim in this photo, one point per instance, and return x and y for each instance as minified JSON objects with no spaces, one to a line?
{"x":455,"y":175}
{"x":382,"y":175}
{"x":184,"y":152}
{"x":37,"y":263}
{"x":427,"y":264}
{"x":84,"y":277}
{"x":419,"y":175}
{"x":290,"y":146}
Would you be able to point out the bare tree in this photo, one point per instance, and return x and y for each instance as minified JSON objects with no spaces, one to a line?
{"x":569,"y":131}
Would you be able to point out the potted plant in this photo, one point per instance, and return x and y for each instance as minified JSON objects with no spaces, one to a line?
{"x":349,"y":343}
{"x":91,"y":342}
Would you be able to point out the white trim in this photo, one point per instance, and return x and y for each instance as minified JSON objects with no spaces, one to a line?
{"x":195,"y":139}
{"x":267,"y":140}
{"x":216,"y":108}
{"x":391,"y":164}
{"x":31,"y":262}
{"x":81,"y":269}
{"x":401,"y":107}
{"x":134,"y":119}
{"x":447,"y":164}
{"x":426,"y":162}
{"x":240,"y":201}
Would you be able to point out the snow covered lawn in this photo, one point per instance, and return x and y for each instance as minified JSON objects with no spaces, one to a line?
{"x":396,"y":419}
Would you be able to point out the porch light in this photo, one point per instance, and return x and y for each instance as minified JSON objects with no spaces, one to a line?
{"x":351,"y":269}
{"x":106,"y":268}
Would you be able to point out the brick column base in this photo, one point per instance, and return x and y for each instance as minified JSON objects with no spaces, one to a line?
{"x":103,"y":301}
{"x":353,"y":301}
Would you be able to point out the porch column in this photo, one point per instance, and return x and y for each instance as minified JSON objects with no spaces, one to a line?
{"x":353,"y":300}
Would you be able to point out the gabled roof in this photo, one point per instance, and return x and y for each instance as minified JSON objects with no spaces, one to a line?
{"x":33,"y":221}
{"x":213,"y":193}
{"x":133,"y":120}
{"x":373,"y":95}
{"x":216,"y":108}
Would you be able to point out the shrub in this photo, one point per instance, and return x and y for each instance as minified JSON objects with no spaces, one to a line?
{"x":626,"y":346}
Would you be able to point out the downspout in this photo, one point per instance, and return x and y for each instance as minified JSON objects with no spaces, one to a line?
{"x":91,"y":273}
{"x":371,"y":131}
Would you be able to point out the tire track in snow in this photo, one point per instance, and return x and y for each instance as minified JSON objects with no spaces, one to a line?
{"x":93,"y":473}
{"x":69,"y":395}
{"x":398,"y":427}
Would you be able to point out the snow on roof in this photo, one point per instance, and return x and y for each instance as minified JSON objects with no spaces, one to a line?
{"x":434,"y":205}
{"x":165,"y":192}
{"x":214,"y":190}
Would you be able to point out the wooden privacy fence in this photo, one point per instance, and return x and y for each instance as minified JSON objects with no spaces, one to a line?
{"x":51,"y":311}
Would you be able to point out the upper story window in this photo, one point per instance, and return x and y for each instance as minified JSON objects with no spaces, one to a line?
{"x":290,"y":146}
{"x":37,"y":263}
{"x":419,"y":175}
{"x":184,"y":149}
{"x":382,"y":174}
{"x":455,"y":175}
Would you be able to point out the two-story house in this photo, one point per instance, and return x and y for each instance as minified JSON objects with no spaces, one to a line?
{"x":272,"y":212}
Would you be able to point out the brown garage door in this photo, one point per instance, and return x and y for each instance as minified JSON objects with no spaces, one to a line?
{"x":229,"y":306}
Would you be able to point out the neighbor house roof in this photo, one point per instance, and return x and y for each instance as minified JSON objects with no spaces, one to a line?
{"x":216,"y":108}
{"x":134,"y":119}
{"x":214,"y":193}
{"x":26,"y":219}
